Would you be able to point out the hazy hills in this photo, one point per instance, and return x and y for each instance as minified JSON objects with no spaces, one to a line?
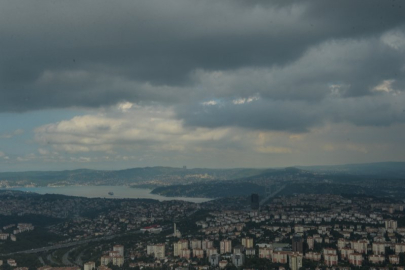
{"x":382,"y":169}
{"x":159,"y":176}
{"x":122,"y":177}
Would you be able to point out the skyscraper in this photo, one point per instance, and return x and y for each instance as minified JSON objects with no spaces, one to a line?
{"x":297,"y":244}
{"x":254,"y":201}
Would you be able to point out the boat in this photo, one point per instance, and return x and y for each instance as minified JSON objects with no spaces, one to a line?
{"x":111,"y":193}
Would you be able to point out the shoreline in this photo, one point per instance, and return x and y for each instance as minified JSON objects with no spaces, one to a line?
{"x":101,"y":191}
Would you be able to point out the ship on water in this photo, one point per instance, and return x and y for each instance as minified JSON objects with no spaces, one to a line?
{"x":111,"y":193}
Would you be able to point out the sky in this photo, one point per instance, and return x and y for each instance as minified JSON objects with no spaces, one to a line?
{"x":201,"y":83}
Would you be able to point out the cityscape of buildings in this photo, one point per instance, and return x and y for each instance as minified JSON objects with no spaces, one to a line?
{"x":288,"y":232}
{"x":202,"y":135}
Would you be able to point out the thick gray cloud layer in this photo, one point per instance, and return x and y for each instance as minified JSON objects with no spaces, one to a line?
{"x":299,"y":63}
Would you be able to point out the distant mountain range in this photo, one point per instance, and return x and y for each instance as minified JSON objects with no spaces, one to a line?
{"x":381,"y":169}
{"x":161,"y":176}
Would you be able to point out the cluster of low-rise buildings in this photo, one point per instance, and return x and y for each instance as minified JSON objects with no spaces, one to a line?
{"x":20,"y":227}
{"x":125,"y":216}
{"x":336,"y":230}
{"x":310,"y":231}
{"x":115,"y":256}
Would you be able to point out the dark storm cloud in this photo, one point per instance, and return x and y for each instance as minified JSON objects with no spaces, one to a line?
{"x":298,"y":116}
{"x":289,"y":116}
{"x":355,"y":66}
{"x":98,"y":53}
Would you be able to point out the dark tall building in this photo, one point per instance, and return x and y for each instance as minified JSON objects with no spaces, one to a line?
{"x":254,"y":201}
{"x":298,"y":244}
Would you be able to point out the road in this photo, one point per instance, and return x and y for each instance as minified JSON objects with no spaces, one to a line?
{"x":70,"y":244}
{"x":76,"y":243}
{"x":51,"y":259}
{"x":65,"y":258}
{"x":78,"y":260}
{"x":41,"y":260}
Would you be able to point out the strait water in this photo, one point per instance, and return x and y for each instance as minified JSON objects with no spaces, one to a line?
{"x":102,"y":192}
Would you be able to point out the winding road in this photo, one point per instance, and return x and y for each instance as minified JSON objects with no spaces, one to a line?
{"x":70,"y":244}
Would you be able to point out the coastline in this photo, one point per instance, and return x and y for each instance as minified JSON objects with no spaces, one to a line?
{"x":101,"y":191}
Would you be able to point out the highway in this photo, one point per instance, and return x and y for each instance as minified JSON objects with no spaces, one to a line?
{"x":70,"y":244}
{"x":76,"y":243}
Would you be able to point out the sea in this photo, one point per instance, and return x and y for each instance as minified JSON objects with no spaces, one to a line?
{"x":119,"y":192}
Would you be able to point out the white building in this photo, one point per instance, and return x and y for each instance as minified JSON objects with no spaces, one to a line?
{"x":195,"y":243}
{"x":226,"y":246}
{"x":247,"y":242}
{"x":211,"y":251}
{"x":206,"y":244}
{"x":89,"y":266}
{"x":280,"y":256}
{"x":399,"y":247}
{"x":376,"y":259}
{"x":295,"y":261}
{"x":158,"y":250}
{"x":120,"y":249}
{"x":356,"y":259}
{"x":391,"y":225}
{"x":310,"y":242}
{"x":379,"y":247}
{"x":359,"y":246}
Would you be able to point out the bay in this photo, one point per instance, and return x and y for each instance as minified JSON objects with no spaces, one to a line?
{"x":120,"y":192}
